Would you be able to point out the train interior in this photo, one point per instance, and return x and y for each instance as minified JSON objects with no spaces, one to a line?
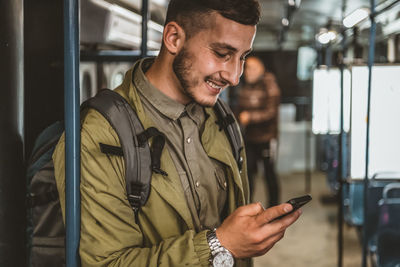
{"x":336,"y":63}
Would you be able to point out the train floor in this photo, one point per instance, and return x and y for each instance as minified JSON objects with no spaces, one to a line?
{"x":312,"y":240}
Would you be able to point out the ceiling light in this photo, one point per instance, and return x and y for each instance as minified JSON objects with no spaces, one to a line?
{"x":356,"y":17}
{"x":331,"y":35}
{"x":285,"y":22}
{"x":325,"y":36}
{"x":294,"y":3}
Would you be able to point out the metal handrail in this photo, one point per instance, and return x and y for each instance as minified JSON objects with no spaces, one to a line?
{"x":72,"y":131}
{"x":388,"y":188}
{"x":371,"y":59}
{"x":72,"y":119}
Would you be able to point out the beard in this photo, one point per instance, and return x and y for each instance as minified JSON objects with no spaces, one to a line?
{"x":182,"y":67}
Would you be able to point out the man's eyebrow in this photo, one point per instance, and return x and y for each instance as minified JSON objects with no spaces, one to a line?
{"x":228,"y":47}
{"x":223,"y":46}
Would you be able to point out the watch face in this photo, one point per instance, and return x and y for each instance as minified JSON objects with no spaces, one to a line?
{"x":223,"y":259}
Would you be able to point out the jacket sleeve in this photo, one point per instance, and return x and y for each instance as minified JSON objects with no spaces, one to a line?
{"x":109,"y":235}
{"x":273,"y":100}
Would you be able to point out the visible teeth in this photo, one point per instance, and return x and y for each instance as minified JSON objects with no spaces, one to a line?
{"x":213,"y":85}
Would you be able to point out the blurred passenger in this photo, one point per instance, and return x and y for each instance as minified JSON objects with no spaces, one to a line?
{"x":258,"y":106}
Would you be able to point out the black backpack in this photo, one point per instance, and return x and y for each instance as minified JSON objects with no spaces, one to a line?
{"x":45,"y":227}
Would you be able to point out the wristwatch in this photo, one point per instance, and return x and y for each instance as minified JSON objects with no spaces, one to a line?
{"x":220,"y":256}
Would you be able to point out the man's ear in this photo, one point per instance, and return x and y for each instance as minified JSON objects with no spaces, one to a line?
{"x":173,"y":37}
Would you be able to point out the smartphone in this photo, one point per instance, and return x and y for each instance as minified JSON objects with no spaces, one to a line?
{"x":296,"y":203}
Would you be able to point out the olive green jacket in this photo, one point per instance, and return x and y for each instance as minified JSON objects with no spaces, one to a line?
{"x":165,"y":235}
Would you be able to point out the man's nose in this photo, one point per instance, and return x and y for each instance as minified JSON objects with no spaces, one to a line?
{"x":232,"y":71}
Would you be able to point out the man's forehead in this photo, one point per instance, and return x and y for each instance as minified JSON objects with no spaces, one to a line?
{"x":229,"y":33}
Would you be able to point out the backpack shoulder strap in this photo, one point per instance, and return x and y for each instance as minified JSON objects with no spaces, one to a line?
{"x":226,"y":121}
{"x":137,"y":155}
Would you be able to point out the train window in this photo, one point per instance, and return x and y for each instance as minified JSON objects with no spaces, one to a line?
{"x":326,"y":101}
{"x":384,"y":143}
{"x":305,"y":61}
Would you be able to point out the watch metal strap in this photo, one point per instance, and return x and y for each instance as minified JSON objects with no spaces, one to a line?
{"x":213,"y":242}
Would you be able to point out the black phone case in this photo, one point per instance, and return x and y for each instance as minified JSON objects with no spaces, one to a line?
{"x":297,"y":203}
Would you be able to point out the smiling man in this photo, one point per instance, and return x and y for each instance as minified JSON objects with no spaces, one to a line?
{"x":197,"y":213}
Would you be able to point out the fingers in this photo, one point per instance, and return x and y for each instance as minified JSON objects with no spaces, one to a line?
{"x":268,"y":244}
{"x":281,"y":224}
{"x":251,"y":230}
{"x":291,"y":218}
{"x":264,"y":246}
{"x":274,"y":212}
{"x":252,"y":209}
{"x":277,"y":227}
{"x":277,"y":230}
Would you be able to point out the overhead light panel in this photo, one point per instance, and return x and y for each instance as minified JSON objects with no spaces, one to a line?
{"x":325,"y":36}
{"x":356,"y":17}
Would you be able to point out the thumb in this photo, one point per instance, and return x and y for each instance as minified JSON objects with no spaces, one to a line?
{"x":252,"y":209}
{"x":270,"y":214}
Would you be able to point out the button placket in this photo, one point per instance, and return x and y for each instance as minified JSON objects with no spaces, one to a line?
{"x":188,"y":129}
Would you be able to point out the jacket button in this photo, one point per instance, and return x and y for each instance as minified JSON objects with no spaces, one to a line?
{"x":197,"y":184}
{"x":189,"y":140}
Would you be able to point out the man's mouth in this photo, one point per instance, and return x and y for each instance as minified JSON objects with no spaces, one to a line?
{"x":217,"y":88}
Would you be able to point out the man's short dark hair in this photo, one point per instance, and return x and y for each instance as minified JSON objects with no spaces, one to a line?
{"x":191,"y":15}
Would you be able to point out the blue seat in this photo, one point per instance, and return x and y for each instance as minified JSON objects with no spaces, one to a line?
{"x":353,"y":201}
{"x":374,"y":195}
{"x":388,"y":232}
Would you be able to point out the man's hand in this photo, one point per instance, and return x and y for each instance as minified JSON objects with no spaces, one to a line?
{"x":251,"y":231}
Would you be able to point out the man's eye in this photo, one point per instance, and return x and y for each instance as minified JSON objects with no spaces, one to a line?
{"x":221,"y":55}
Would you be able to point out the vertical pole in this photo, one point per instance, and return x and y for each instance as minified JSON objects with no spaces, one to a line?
{"x":339,"y":176}
{"x":328,"y":56}
{"x":307,"y":161}
{"x":72,"y":130}
{"x":308,"y":152}
{"x":145,"y":19}
{"x":341,"y":143}
{"x":371,"y":59}
{"x":340,"y":168}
